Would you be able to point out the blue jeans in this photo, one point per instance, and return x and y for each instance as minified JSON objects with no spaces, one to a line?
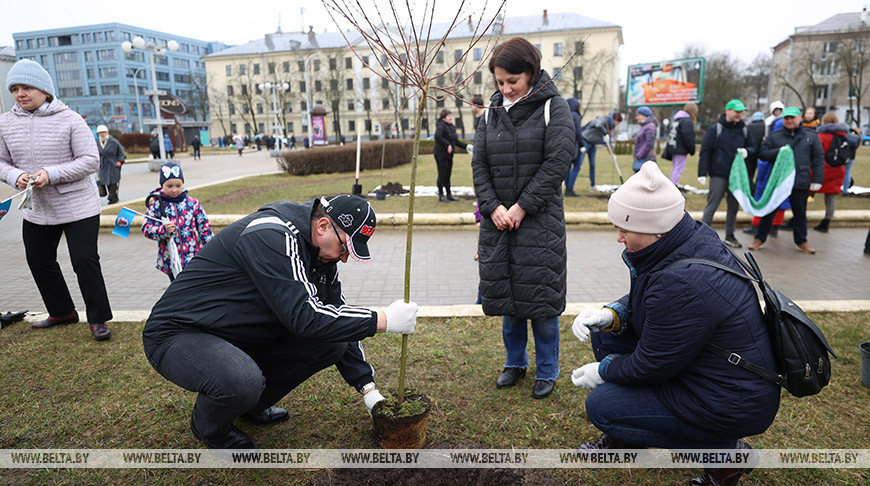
{"x":574,"y":171}
{"x":848,"y":176}
{"x":635,"y":415}
{"x":515,"y":332}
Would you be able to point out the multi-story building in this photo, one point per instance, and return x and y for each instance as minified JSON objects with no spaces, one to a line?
{"x":7,"y":60}
{"x":827,"y":66}
{"x":96,"y":78}
{"x":357,"y":98}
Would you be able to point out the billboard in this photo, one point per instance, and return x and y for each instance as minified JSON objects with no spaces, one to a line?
{"x":673,"y":82}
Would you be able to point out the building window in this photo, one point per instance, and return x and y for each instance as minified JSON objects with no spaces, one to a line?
{"x":332,"y":63}
{"x":106,"y":55}
{"x":182,"y":78}
{"x":478,"y":77}
{"x":19,"y":44}
{"x":108,"y":72}
{"x":257,"y":89}
{"x":245,"y":109}
{"x":385,"y":83}
{"x":259,"y":108}
{"x":439,"y":103}
{"x":111,"y":89}
{"x":578,"y":72}
{"x":229,"y":70}
{"x":557,"y":73}
{"x":289,"y":127}
{"x":256,"y":68}
{"x":538,"y":47}
{"x":87,"y":38}
{"x":351,"y":105}
{"x":162,"y":60}
{"x":286,"y":66}
{"x":98,"y":37}
{"x":457,"y":54}
{"x":317,"y":64}
{"x":232,"y":127}
{"x":478,"y":53}
{"x":439,"y":57}
{"x":247,"y":128}
{"x":365,"y":60}
{"x":261,"y":127}
{"x":244,"y":90}
{"x":333,"y":84}
{"x":288,"y":107}
{"x":351,"y":126}
{"x":301,"y":66}
{"x":348,"y":84}
{"x":271,"y":68}
{"x":92,"y":90}
{"x":385,"y":103}
{"x":301,"y":86}
{"x":232,"y":110}
{"x":348,"y":63}
{"x":40,"y":42}
{"x":557,"y":49}
{"x":229,"y":90}
{"x":318,"y":86}
{"x":89,"y":56}
{"x":70,"y":92}
{"x":367,"y":83}
{"x":367,"y":104}
{"x":137,"y":56}
{"x":303,"y":105}
{"x":243,"y":69}
{"x":439,"y":81}
{"x":161,"y":76}
{"x":90,"y":73}
{"x":180,"y":63}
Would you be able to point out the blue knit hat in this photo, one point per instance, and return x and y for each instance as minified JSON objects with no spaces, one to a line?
{"x":645,"y":111}
{"x":170,"y":170}
{"x":757,"y":116}
{"x":29,"y":73}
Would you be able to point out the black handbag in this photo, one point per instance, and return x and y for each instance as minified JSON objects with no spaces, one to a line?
{"x":799,"y":347}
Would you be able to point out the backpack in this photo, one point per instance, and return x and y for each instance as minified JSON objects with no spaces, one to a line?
{"x":800,"y":349}
{"x":838,"y":152}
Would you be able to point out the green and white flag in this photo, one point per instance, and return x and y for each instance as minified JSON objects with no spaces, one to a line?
{"x":778,"y":187}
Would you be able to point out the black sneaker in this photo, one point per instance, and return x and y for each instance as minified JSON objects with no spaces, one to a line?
{"x":750,"y":230}
{"x":509,"y":377}
{"x":571,"y":193}
{"x":731,"y":241}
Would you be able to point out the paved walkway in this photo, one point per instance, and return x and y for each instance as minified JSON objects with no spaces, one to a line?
{"x":443,"y":272}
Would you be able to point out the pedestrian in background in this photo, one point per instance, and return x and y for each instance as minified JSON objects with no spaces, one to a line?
{"x":681,"y":140}
{"x":830,"y":129}
{"x":154,"y":145}
{"x":645,"y":140}
{"x":810,"y":121}
{"x":809,"y":160}
{"x":240,"y":143}
{"x":112,"y":157}
{"x":519,"y":163}
{"x":446,"y":142}
{"x":196,"y":144}
{"x":42,"y":140}
{"x":599,"y":130}
{"x":167,"y":146}
{"x":721,"y":142}
{"x":574,"y":106}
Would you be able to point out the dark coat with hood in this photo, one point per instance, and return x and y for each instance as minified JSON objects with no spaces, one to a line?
{"x":717,"y":153}
{"x":673,"y":313}
{"x":258,"y":281}
{"x":681,"y":138}
{"x":113,"y":152}
{"x":445,"y":136}
{"x":519,"y":160}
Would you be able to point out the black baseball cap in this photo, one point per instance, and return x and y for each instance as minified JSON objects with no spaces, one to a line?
{"x":355,"y":216}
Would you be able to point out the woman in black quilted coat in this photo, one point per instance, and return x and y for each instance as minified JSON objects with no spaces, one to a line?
{"x":519,"y":162}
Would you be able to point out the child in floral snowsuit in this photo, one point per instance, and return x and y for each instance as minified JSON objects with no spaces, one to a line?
{"x":183,"y":219}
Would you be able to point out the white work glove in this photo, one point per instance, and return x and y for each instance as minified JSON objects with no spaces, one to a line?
{"x":783,"y":148}
{"x":606,"y":139}
{"x":589,"y":319}
{"x":815,"y":186}
{"x":587,"y":376}
{"x":583,"y":149}
{"x":743,"y":153}
{"x":401,"y":317}
{"x":371,"y":398}
{"x":702,"y":180}
{"x":470,"y":149}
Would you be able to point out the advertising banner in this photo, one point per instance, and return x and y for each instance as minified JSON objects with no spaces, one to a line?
{"x":319,"y":130}
{"x":673,"y":82}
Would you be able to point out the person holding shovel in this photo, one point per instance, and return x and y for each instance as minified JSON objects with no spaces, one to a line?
{"x":260,"y":310}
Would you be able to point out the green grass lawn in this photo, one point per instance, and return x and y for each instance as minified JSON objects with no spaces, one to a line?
{"x":60,"y":389}
{"x":246,"y":195}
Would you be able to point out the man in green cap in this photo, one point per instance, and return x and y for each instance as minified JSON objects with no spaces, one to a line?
{"x":809,"y":169}
{"x":721,"y":142}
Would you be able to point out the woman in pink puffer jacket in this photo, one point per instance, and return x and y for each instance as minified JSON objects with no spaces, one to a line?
{"x":43,"y":140}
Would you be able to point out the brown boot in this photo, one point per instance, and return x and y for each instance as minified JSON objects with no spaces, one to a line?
{"x":723,"y":476}
{"x":756,"y":245}
{"x":604,"y":442}
{"x":806,"y":248}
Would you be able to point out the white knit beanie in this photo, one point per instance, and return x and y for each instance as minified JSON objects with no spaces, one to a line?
{"x":648,"y":202}
{"x":29,"y":73}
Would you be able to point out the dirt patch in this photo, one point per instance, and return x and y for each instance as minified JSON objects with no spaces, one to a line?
{"x":394,"y":189}
{"x":415,"y":477}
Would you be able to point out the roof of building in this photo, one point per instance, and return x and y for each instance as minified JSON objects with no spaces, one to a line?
{"x":528,"y":24}
{"x":7,"y":52}
{"x":844,"y":22}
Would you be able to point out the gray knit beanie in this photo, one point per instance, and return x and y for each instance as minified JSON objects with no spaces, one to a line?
{"x":29,"y":73}
{"x":648,"y":202}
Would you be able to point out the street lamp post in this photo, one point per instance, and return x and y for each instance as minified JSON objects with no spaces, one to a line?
{"x":138,"y":105}
{"x":152,"y":47}
{"x":274,"y":87}
{"x":308,"y":99}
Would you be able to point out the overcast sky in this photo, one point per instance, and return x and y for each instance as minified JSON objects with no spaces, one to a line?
{"x":652,"y":31}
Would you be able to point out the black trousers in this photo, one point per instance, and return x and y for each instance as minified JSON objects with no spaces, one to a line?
{"x":445,"y":168}
{"x":231,"y":381}
{"x":40,"y":247}
{"x":798,"y":200}
{"x":111,"y":190}
{"x":196,"y":154}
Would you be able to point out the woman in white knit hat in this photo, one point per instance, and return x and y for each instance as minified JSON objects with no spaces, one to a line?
{"x":44,"y":141}
{"x":653,"y":383}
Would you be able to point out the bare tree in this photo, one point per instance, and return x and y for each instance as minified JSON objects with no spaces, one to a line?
{"x":337,"y":82}
{"x":722,"y":81}
{"x":757,"y":78}
{"x":854,"y":61}
{"x":587,"y":74}
{"x":219,"y":103}
{"x":247,"y":94}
